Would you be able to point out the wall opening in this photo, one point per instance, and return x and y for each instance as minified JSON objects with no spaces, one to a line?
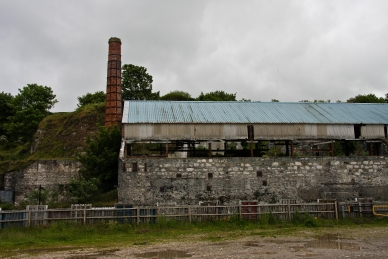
{"x":134,"y":167}
{"x":210,"y":175}
{"x":357,"y":131}
{"x":259,"y":173}
{"x":265,"y":183}
{"x":145,"y":167}
{"x":178,"y":175}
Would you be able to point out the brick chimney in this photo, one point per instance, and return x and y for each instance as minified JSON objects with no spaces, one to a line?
{"x":113,"y":111}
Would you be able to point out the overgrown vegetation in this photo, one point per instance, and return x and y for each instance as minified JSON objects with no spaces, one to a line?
{"x":99,"y":161}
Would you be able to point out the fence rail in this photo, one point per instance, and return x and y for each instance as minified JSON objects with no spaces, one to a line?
{"x":85,"y":214}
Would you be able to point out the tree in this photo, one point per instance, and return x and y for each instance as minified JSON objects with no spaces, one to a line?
{"x":100,"y":157}
{"x":216,"y":96}
{"x":30,"y":106}
{"x":6,"y":110}
{"x":137,"y":84}
{"x":82,"y":190}
{"x":89,"y":98}
{"x":367,"y":98}
{"x":177,"y":96}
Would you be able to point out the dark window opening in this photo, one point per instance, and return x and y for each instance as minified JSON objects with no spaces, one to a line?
{"x":162,"y":189}
{"x":357,"y":131}
{"x":145,"y":167}
{"x":385,"y":131}
{"x":128,"y":147}
{"x":178,"y":175}
{"x":134,"y":167}
{"x":209,"y":188}
{"x":265,"y":183}
{"x":210,"y":175}
{"x":259,"y":173}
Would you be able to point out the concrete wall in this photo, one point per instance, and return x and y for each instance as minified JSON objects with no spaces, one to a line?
{"x":228,"y":180}
{"x":52,"y":175}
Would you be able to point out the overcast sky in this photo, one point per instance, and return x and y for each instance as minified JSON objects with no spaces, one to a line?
{"x":261,"y":50}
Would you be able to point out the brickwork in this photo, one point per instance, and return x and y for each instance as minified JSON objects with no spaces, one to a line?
{"x":113,"y":111}
{"x":229,"y":180}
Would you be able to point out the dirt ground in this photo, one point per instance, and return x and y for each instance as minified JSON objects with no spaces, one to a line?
{"x":342,"y":243}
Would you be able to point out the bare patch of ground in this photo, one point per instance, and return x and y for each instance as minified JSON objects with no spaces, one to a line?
{"x":332,"y":243}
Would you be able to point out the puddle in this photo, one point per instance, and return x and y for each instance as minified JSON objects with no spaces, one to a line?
{"x":252,"y":243}
{"x":167,"y":254}
{"x":331,"y":241}
{"x":220,"y":244}
{"x":47,"y":250}
{"x":94,"y":255}
{"x":308,"y":255}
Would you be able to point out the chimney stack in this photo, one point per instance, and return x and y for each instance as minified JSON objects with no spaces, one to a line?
{"x":113,"y":111}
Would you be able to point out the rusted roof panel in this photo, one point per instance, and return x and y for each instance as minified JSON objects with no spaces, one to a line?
{"x":253,"y":112}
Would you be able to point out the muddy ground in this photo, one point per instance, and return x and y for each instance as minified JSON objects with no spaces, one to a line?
{"x":329,"y":243}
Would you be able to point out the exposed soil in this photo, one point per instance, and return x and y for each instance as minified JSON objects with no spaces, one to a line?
{"x":342,"y":243}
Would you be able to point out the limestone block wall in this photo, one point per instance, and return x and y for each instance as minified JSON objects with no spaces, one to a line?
{"x":229,"y":180}
{"x":52,"y":175}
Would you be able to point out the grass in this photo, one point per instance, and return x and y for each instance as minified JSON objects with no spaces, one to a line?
{"x":112,"y":234}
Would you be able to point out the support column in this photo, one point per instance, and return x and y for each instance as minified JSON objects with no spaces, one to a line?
{"x":331,"y":148}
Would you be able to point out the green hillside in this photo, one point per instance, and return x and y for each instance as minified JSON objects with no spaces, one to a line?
{"x":60,"y":136}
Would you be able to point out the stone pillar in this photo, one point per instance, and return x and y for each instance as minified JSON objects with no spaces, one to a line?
{"x":113,"y":111}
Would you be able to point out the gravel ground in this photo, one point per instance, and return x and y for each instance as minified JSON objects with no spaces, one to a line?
{"x":352,"y":243}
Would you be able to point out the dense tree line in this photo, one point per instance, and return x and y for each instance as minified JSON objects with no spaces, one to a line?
{"x":20,"y":114}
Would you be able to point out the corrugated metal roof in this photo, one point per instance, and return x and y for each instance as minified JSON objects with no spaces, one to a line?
{"x":253,"y":112}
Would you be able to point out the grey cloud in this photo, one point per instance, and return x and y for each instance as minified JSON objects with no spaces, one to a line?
{"x":287,"y":50}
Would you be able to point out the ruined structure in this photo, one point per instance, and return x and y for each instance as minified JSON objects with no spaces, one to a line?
{"x":155,"y":131}
{"x":113,"y":86}
{"x":186,"y":152}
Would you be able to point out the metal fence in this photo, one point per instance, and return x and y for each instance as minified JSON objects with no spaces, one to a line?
{"x":86,"y":214}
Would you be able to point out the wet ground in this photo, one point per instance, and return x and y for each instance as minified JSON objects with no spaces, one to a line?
{"x":360,"y":243}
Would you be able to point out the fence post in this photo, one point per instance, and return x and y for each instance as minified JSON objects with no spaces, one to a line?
{"x":29,"y":218}
{"x":189,"y":210}
{"x":138,"y":215}
{"x":239,"y":210}
{"x":289,"y":210}
{"x":336,"y":210}
{"x":85,"y":215}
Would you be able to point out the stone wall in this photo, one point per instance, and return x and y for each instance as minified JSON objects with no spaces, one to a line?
{"x":229,"y":180}
{"x":51,"y":175}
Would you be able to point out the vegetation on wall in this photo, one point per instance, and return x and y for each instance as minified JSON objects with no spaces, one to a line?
{"x":91,"y":98}
{"x":99,"y":158}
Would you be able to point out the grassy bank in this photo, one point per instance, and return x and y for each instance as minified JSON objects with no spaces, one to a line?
{"x":111,"y":234}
